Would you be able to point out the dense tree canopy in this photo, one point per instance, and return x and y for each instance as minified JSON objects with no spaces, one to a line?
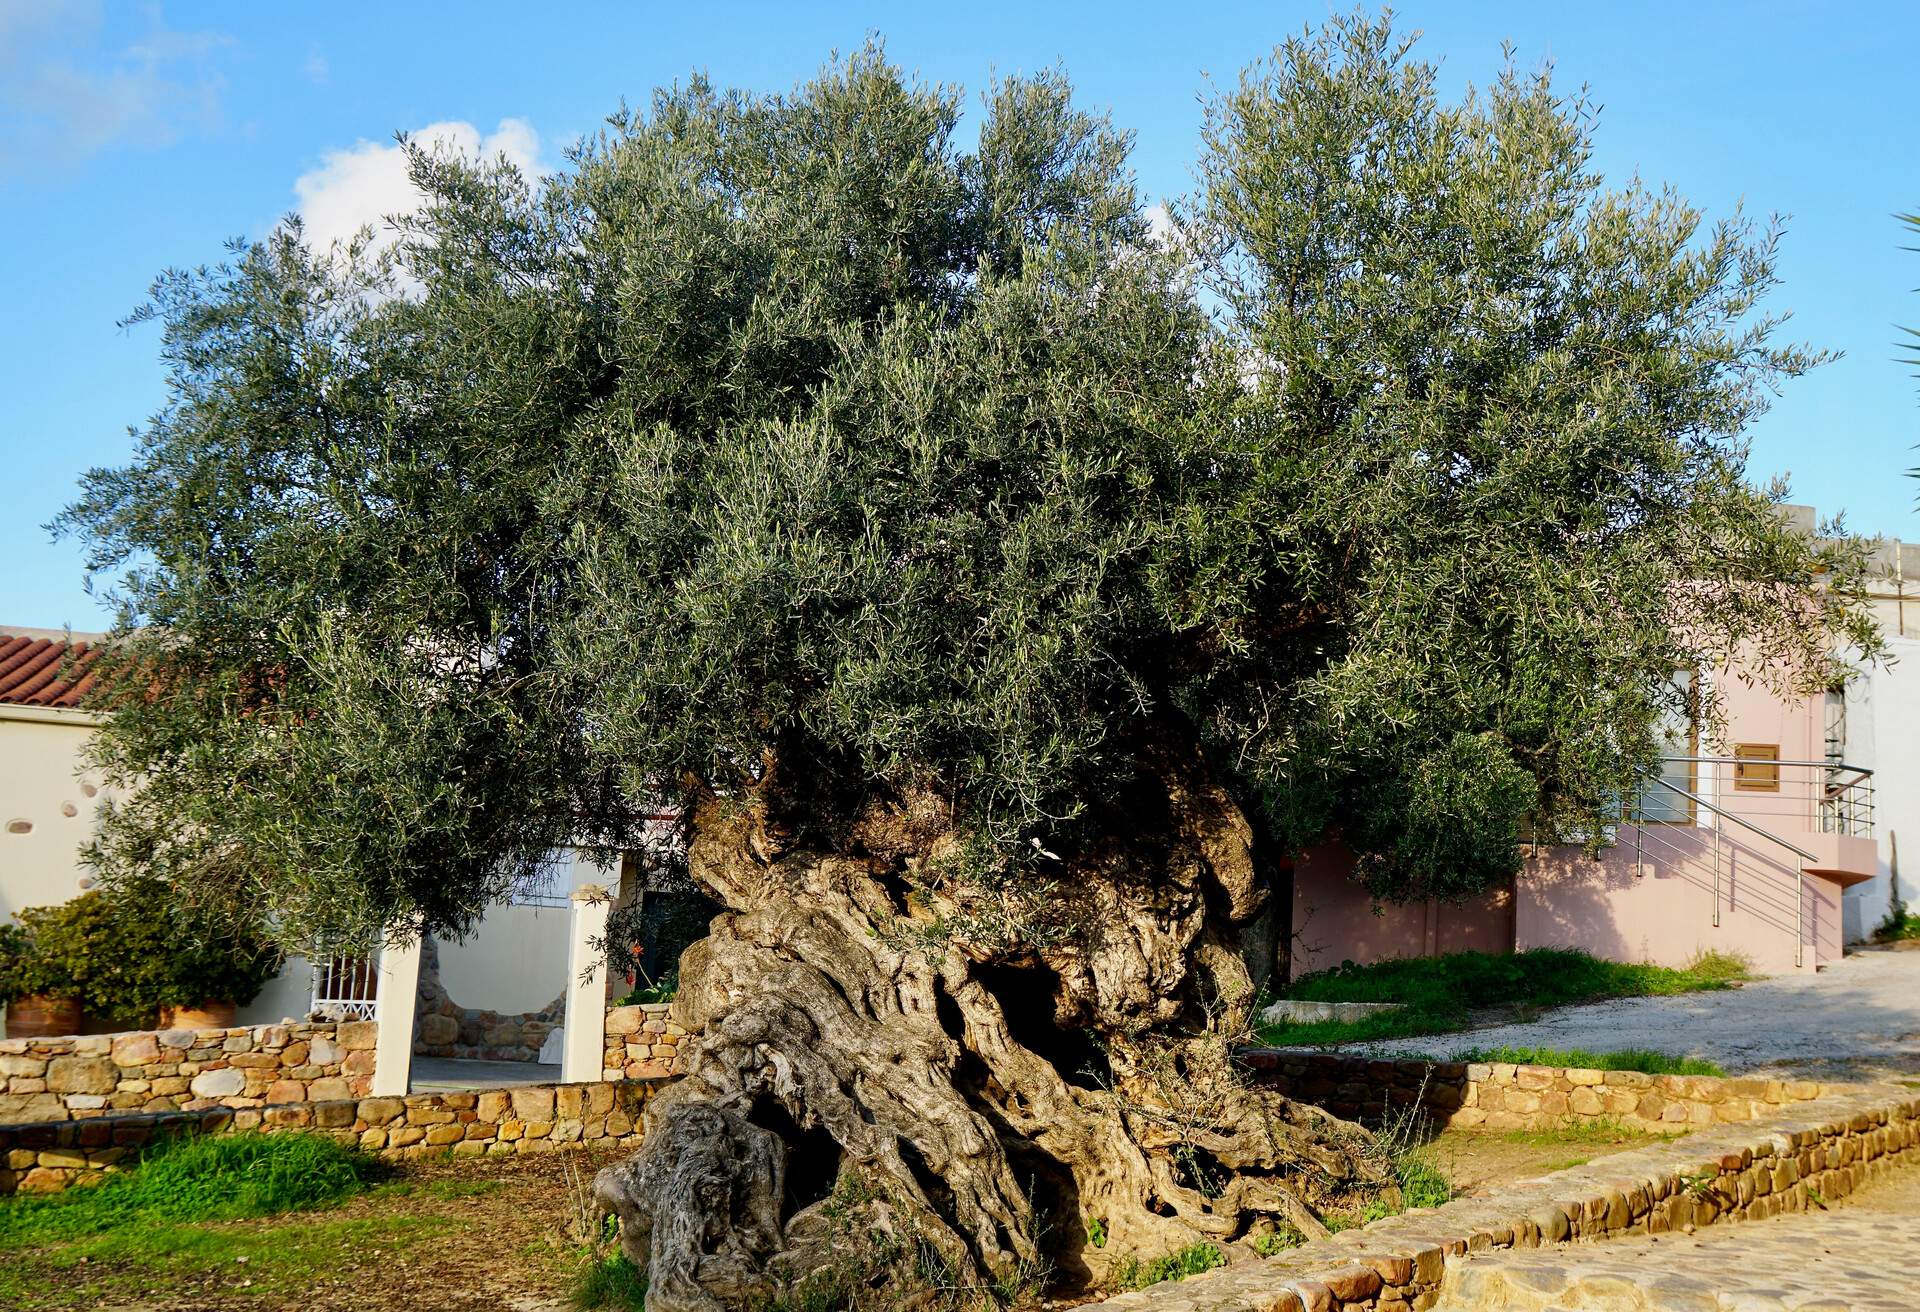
{"x":1017,"y":584}
{"x":785,"y":423}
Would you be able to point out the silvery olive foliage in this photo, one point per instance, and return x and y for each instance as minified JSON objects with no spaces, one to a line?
{"x":875,"y":428}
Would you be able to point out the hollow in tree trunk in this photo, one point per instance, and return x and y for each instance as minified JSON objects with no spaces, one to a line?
{"x":1030,"y":1081}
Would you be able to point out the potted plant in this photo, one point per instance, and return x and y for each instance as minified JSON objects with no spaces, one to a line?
{"x":42,"y":996}
{"x":174,"y":963}
{"x":127,"y":958}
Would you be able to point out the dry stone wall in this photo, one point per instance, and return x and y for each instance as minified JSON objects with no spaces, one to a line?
{"x":1502,"y":1096}
{"x":642,"y":1043}
{"x":51,"y":1156}
{"x":1795,"y":1160}
{"x":77,"y":1077}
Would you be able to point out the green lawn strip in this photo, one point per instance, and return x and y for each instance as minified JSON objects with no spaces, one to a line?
{"x":144,"y":1258}
{"x":1645,"y":1060}
{"x":1437,"y":995}
{"x":221,"y":1178}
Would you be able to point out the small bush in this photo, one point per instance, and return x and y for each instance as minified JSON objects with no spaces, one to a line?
{"x":214,"y":1178}
{"x":1905,"y":925}
{"x":1421,"y":1182}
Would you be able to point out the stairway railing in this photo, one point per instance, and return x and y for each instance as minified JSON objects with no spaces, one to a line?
{"x":1765,"y":905}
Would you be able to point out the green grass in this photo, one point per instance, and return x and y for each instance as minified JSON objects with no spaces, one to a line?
{"x":182,"y":1181}
{"x":1437,"y":995}
{"x":1645,"y":1060}
{"x":1132,"y":1273}
{"x":610,"y":1281}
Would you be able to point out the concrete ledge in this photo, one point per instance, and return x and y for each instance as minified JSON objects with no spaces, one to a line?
{"x":1827,"y":1147}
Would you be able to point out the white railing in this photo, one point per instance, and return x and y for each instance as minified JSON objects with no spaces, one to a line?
{"x":346,"y":987}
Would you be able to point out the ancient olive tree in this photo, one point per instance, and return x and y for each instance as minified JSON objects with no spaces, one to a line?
{"x":999,"y":592}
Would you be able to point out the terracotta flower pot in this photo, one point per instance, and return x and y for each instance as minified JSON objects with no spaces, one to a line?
{"x":39,"y":1017}
{"x":203,"y":1016}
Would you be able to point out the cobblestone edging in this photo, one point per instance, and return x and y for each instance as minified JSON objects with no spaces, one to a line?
{"x":80,"y":1076}
{"x":642,"y":1043}
{"x":1502,"y":1096}
{"x":51,"y":1156}
{"x":1746,"y":1171}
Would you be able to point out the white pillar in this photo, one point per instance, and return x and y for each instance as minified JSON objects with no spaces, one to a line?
{"x":399,"y":998}
{"x":584,"y":1048}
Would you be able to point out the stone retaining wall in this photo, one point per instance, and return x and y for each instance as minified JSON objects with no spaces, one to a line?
{"x":80,"y":1076}
{"x":642,"y":1043}
{"x":49,"y":1157}
{"x":1804,"y":1154}
{"x":1502,"y":1096}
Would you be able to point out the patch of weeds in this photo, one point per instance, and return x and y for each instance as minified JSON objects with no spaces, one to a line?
{"x":1278,"y":1240}
{"x":609,"y":1280}
{"x":1436,"y":995}
{"x":216,"y":1178}
{"x":1132,"y":1273}
{"x":1097,"y":1232}
{"x":1421,"y":1182}
{"x":1646,"y":1060}
{"x":1895,"y":928}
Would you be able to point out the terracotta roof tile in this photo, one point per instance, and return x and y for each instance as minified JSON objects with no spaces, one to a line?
{"x":45,"y":671}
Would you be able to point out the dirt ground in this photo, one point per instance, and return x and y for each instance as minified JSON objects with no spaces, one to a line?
{"x":485,"y":1235}
{"x":467,"y":1235}
{"x":1474,"y":1162}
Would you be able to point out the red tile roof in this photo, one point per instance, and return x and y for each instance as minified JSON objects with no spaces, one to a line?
{"x":45,"y":671}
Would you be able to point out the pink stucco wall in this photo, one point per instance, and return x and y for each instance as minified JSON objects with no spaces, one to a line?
{"x":1335,"y":920}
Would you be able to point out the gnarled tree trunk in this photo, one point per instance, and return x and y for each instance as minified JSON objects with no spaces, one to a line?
{"x":1014,"y":1082}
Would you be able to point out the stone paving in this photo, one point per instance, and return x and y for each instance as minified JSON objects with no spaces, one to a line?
{"x":1859,"y":1256}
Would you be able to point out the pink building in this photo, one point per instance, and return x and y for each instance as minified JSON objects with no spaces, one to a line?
{"x":1747,"y":849}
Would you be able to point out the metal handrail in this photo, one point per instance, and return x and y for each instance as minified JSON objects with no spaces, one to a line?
{"x":1719,"y":814}
{"x":1840,"y":799}
{"x":1700,"y":801}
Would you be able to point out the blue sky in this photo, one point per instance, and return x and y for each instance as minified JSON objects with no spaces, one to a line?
{"x":135,"y":137}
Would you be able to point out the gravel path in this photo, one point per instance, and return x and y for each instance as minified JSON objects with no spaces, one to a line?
{"x":1858,"y":1018}
{"x":1856,"y":1257}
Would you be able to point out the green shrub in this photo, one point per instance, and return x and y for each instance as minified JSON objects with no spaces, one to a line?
{"x":210,"y":1178}
{"x":25,"y":972}
{"x":1421,"y":1182}
{"x":127,"y":953}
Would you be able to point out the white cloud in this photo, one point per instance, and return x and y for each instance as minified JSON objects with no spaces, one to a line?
{"x":67,"y":95}
{"x":366,"y":184}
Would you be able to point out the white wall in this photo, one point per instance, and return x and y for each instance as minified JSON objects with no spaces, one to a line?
{"x":516,"y":961}
{"x":1883,"y":734}
{"x":285,"y":997}
{"x":39,"y":783}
